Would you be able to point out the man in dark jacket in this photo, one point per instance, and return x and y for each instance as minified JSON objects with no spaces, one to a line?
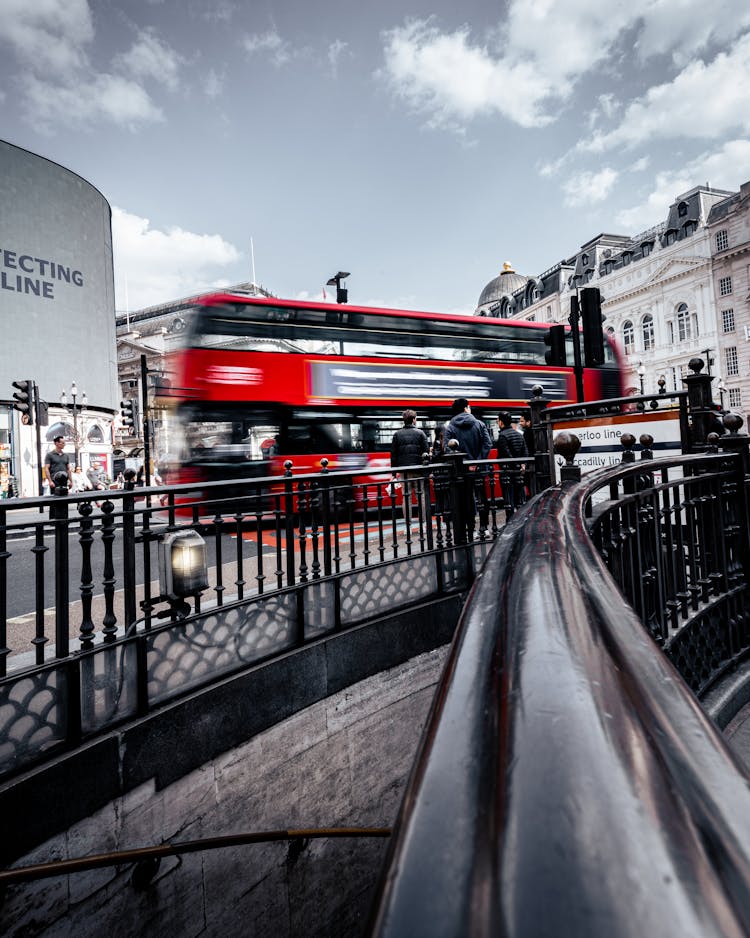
{"x":473,"y":439}
{"x":511,"y":445}
{"x":409,"y":443}
{"x":472,"y":435}
{"x":408,"y":446}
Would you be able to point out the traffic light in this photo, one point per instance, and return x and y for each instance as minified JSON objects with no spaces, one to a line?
{"x":555,"y":338}
{"x":129,"y":417}
{"x":24,"y":400}
{"x":591,"y":320}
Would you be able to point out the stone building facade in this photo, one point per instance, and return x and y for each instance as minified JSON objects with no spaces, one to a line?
{"x":729,"y":231}
{"x":661,"y":291}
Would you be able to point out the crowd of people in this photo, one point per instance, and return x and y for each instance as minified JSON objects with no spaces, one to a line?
{"x":410,"y":444}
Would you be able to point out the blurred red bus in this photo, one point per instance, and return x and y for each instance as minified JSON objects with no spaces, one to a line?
{"x":262,"y":380}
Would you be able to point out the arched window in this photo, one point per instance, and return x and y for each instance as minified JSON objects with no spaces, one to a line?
{"x":648,"y":332}
{"x":628,"y":336}
{"x":682,"y":209}
{"x":683,"y":323}
{"x":60,"y":429}
{"x":95,"y":434}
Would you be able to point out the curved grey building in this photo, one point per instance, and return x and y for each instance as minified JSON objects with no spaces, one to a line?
{"x":56,"y":307}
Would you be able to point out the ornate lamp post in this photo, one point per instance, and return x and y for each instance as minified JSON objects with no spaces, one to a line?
{"x":722,"y":391}
{"x":641,"y":373}
{"x":75,"y":408}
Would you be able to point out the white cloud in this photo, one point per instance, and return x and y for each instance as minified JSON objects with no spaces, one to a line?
{"x":214,"y":84}
{"x":703,"y":101}
{"x":48,"y":35}
{"x":586,"y":188}
{"x":149,"y":57}
{"x":531,"y":62}
{"x":153,"y":266}
{"x":335,"y":50}
{"x":278,"y":49}
{"x":103,"y":97}
{"x":690,"y":28}
{"x":58,"y":82}
{"x":448,"y":77}
{"x":726,"y":168}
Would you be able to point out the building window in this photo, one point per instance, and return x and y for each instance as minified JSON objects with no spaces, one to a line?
{"x":722,"y":240}
{"x":626,"y":258}
{"x":732,"y":366}
{"x":735,"y":397}
{"x":646,"y":249}
{"x":549,"y":314}
{"x":725,"y":286}
{"x":670,"y":237}
{"x":682,"y":209}
{"x":683,"y":323}
{"x":628,"y":337}
{"x":670,"y":332}
{"x":690,"y":227}
{"x":531,"y":318}
{"x":584,"y":260}
{"x":648,"y":332}
{"x":727,"y":320}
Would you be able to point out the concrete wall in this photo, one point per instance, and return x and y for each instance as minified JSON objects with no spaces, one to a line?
{"x":341,"y":762}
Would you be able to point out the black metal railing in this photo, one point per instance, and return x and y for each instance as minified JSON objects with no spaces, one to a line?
{"x":568,"y":780}
{"x":99,"y":638}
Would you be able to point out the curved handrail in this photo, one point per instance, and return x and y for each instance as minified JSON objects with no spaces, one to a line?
{"x":568,"y":781}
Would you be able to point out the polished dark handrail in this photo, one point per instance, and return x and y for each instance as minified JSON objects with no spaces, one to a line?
{"x":568,"y":781}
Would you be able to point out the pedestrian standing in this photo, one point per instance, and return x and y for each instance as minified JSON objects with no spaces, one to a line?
{"x":511,"y":445}
{"x":473,"y":436}
{"x":528,"y":432}
{"x":56,"y":461}
{"x":408,"y":446}
{"x":475,"y":441}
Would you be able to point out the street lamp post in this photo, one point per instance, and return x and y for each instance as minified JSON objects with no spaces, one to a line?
{"x":722,"y":390}
{"x":75,"y":409}
{"x":641,"y":373}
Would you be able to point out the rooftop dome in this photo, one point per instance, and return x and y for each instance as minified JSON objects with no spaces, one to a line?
{"x":505,"y":284}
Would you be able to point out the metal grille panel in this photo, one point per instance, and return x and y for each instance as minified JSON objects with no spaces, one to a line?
{"x":32,"y":716}
{"x":186,"y":655}
{"x":367,"y":593}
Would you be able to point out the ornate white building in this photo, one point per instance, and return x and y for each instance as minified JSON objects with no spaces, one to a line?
{"x":729,"y":229}
{"x":660,"y":296}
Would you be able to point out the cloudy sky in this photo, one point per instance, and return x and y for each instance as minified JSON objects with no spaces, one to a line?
{"x":418,"y":145}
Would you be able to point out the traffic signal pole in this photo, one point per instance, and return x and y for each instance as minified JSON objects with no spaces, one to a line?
{"x":574,"y":319}
{"x":38,"y":430}
{"x":146,"y":421}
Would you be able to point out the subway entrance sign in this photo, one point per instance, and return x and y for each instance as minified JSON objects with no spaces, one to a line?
{"x":601,"y":438}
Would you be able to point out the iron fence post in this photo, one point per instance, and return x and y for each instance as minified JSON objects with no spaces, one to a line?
{"x":700,"y":404}
{"x":543,"y":462}
{"x":128,"y":547}
{"x":460,"y":491}
{"x":59,"y":514}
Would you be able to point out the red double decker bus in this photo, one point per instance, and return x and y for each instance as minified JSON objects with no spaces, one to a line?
{"x":261,"y":381}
